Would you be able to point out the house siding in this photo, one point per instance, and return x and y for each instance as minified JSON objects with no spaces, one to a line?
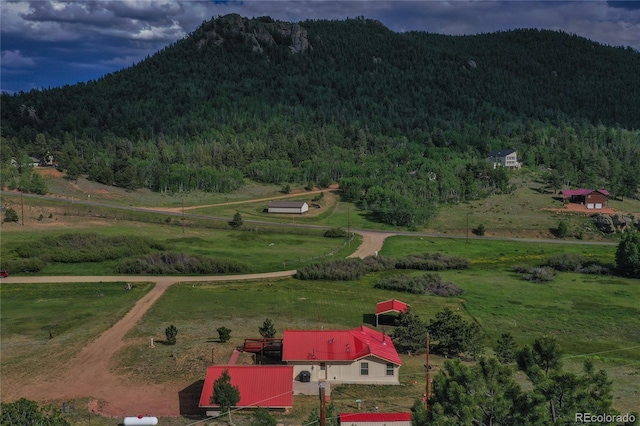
{"x":348,"y":372}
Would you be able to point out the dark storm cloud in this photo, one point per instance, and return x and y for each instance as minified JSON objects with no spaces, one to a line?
{"x":630,"y":5}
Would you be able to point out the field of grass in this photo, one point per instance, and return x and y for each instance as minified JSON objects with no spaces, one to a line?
{"x":74,"y":314}
{"x":589,"y":314}
{"x":262,"y":251}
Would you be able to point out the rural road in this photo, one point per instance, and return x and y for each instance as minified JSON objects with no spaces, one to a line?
{"x":89,"y":373}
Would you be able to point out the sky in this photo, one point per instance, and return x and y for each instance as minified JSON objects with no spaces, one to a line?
{"x":54,"y":43}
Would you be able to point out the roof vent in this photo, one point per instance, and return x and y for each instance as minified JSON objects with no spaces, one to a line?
{"x":348,"y":349}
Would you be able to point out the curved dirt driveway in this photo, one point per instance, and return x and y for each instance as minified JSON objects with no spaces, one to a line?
{"x":89,"y":375}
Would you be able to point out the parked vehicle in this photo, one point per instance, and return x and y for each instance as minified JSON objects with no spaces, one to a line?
{"x":4,"y":273}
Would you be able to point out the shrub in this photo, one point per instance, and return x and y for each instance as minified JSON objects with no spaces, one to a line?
{"x":179,"y":263}
{"x":10,"y":215}
{"x":480,"y":230}
{"x":335,"y":233}
{"x":224,"y":333}
{"x":595,"y":269}
{"x":432,"y":262}
{"x":566,"y":262}
{"x":541,"y":274}
{"x":171,"y":332}
{"x":427,"y":284}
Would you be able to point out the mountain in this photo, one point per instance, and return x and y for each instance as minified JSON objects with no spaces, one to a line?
{"x":356,"y":70}
{"x":239,"y":92}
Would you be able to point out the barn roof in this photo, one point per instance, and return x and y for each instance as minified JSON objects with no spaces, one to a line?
{"x":392,"y":305}
{"x":287,"y":204}
{"x":259,"y":385}
{"x":375,"y":417}
{"x":582,"y":191}
{"x":338,"y":345}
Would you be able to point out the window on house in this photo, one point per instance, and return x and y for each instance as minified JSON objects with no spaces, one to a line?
{"x":364,"y":368}
{"x":323,"y":366}
{"x":390,"y":369}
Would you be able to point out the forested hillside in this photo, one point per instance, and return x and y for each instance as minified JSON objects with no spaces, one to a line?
{"x":402,"y":120}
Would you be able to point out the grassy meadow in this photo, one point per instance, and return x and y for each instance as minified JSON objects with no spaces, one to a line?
{"x":596,"y":316}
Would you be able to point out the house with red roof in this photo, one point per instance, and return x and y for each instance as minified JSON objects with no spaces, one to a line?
{"x":361,"y":355}
{"x":590,"y":198}
{"x":267,"y":386}
{"x":392,"y":305}
{"x":375,"y":419}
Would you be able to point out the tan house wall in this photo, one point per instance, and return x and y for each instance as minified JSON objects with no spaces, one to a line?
{"x":348,"y":372}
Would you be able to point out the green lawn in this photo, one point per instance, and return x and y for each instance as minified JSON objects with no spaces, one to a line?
{"x":262,"y":251}
{"x":74,"y":314}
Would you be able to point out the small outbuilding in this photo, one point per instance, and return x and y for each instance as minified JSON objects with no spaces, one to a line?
{"x":391,"y":305}
{"x":298,"y":207}
{"x":267,"y":386}
{"x":375,"y":419}
{"x":590,"y":198}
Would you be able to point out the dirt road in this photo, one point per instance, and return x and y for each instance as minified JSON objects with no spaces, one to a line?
{"x":89,"y":373}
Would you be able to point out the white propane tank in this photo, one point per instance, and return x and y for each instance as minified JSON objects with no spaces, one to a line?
{"x":140,"y":421}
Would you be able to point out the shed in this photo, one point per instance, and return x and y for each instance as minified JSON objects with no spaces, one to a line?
{"x":590,"y":198}
{"x":267,"y":386}
{"x":391,"y":305}
{"x":375,"y":419}
{"x":298,"y":207}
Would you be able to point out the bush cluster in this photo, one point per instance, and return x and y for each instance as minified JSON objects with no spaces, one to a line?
{"x":179,"y":263}
{"x":427,"y":284}
{"x":23,"y":265}
{"x":86,"y":247}
{"x":335,"y":233}
{"x":541,"y":274}
{"x":341,"y":270}
{"x":570,"y":262}
{"x":353,"y":269}
{"x":432,"y":262}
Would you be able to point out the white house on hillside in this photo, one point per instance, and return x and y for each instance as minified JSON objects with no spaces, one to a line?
{"x":504,"y":158}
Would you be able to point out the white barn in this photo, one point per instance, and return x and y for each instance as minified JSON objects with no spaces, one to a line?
{"x":298,"y":207}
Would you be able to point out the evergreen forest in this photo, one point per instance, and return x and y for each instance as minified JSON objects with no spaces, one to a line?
{"x":402,"y":121}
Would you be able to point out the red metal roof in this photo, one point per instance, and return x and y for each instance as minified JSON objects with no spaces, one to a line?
{"x":337,"y":345}
{"x":392,"y":305}
{"x":375,"y":417}
{"x":582,"y":191}
{"x":259,"y":385}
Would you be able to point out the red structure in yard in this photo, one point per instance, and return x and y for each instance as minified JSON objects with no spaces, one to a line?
{"x":375,"y":419}
{"x":391,"y":305}
{"x":268,"y":386}
{"x":590,"y":198}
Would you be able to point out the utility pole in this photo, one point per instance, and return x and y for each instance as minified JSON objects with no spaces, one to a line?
{"x":183,"y":214}
{"x":22,"y":207}
{"x":427,"y":386}
{"x":468,"y":213}
{"x":323,"y":407}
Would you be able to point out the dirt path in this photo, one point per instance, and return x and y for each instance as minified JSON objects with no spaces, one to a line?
{"x":89,"y":373}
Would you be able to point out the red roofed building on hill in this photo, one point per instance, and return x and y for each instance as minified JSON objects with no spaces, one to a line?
{"x":267,"y":386}
{"x":590,"y":198}
{"x":361,"y":355}
{"x":375,"y":419}
{"x":391,"y":305}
